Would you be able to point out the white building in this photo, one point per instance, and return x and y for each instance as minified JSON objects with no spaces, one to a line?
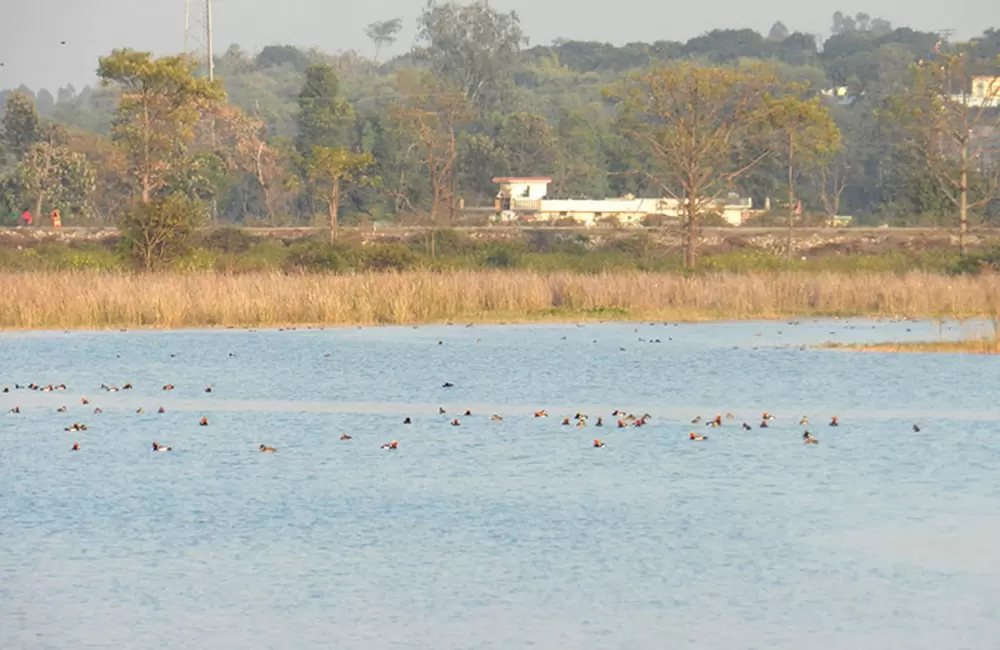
{"x":523,"y":199}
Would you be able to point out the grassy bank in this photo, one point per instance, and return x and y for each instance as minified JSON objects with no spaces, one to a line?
{"x":967,"y":346}
{"x":99,"y":299}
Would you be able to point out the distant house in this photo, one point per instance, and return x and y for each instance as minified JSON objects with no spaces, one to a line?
{"x":524,"y":200}
{"x":984,"y":90}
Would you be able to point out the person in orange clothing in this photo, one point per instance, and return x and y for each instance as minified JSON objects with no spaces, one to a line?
{"x":56,"y":219}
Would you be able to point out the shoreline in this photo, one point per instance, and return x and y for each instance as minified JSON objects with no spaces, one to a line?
{"x":968,"y":346}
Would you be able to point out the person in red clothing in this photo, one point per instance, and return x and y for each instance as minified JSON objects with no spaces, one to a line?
{"x":26,"y":217}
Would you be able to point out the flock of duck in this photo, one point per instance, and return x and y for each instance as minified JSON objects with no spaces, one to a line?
{"x":621,"y":419}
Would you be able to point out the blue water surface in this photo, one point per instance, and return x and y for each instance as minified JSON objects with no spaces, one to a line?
{"x":500,"y":534}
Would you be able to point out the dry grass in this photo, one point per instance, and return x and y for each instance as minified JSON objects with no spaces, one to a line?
{"x":94,"y":300}
{"x":968,"y":346}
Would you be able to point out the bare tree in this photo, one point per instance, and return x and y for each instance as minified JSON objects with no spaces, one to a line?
{"x":383,"y":33}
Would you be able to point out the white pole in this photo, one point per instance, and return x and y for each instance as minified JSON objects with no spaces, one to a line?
{"x":208,"y":38}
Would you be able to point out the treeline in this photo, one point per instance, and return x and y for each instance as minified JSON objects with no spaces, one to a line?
{"x":289,"y":136}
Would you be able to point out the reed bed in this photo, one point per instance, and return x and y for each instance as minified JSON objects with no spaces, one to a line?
{"x":97,"y":300}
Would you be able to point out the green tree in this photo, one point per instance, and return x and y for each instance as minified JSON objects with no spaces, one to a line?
{"x":949,"y":114}
{"x":804,"y":134}
{"x":20,"y":124}
{"x":383,"y":32}
{"x":325,"y":118}
{"x":330,"y":168}
{"x":55,"y":177}
{"x":159,"y":108}
{"x":158,"y":231}
{"x":471,"y":47}
{"x":695,"y":125}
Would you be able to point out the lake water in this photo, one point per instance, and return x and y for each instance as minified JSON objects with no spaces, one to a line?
{"x":507,"y":534}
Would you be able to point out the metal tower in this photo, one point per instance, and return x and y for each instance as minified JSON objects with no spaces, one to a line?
{"x":198,"y":34}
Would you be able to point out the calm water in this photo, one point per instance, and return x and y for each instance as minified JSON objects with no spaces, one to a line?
{"x":505,"y":534}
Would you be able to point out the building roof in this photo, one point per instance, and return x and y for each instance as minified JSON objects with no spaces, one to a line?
{"x":522,"y":179}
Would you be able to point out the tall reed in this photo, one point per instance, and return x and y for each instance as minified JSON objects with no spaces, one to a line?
{"x":68,"y":300}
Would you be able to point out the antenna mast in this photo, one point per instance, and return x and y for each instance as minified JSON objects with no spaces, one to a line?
{"x":198,"y":34}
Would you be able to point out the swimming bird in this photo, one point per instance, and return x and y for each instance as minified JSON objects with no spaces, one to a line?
{"x":407,"y":421}
{"x":127,"y":387}
{"x":61,"y":409}
{"x":598,"y":443}
{"x":98,"y":411}
{"x":203,"y":422}
{"x":834,"y":422}
{"x":804,"y":421}
{"x":168,"y":387}
{"x":264,"y":449}
{"x":621,"y":424}
{"x":208,"y":389}
{"x":447,"y":384}
{"x":717,"y":422}
{"x":808,"y":439}
{"x":140,"y":410}
{"x":16,"y":410}
{"x":390,"y":445}
{"x":441,"y":411}
{"x":730,"y":416}
{"x":84,"y":400}
{"x":541,"y":414}
{"x":763,"y":424}
{"x":455,"y":422}
{"x":344,"y":436}
{"x":76,"y":446}
{"x":158,"y":447}
{"x":697,"y":420}
{"x":468,"y":412}
{"x":916,"y":429}
{"x":160,"y":410}
{"x":496,"y":418}
{"x":565,"y":422}
{"x":694,"y":436}
{"x":767,"y":416}
{"x":747,"y":427}
{"x":581,"y":423}
{"x":600,"y":422}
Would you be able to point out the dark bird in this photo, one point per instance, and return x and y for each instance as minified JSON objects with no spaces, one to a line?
{"x":448,"y":384}
{"x":407,"y":421}
{"x":916,"y":429}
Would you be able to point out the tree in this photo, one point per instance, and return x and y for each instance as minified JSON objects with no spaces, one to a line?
{"x":20,"y":124}
{"x":160,"y":230}
{"x":55,"y":176}
{"x":45,"y":102}
{"x":430,"y":116}
{"x":383,"y":32}
{"x":160,"y":105}
{"x":805,"y":134}
{"x":331,"y":167}
{"x":325,"y":118}
{"x":695,"y":125}
{"x":471,"y":47}
{"x":527,"y":142}
{"x":778,"y":32}
{"x":950,"y":115}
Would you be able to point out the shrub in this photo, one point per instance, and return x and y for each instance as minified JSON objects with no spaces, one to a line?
{"x":158,"y":232}
{"x":503,"y":256}
{"x":387,"y":257}
{"x":228,"y":239}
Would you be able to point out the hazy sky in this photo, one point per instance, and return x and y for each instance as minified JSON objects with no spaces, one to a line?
{"x":31,"y":53}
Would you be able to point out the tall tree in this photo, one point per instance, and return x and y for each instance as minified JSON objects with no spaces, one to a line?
{"x":472,"y":47}
{"x":383,"y":33}
{"x":431,"y":115}
{"x":805,"y":133}
{"x":778,"y":32}
{"x":54,"y":176}
{"x":330,"y":168}
{"x":951,"y":115}
{"x":325,"y":118}
{"x":20,"y":124}
{"x":160,"y":105}
{"x":695,"y":125}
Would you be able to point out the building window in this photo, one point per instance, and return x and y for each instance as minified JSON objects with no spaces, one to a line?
{"x":564,"y":214}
